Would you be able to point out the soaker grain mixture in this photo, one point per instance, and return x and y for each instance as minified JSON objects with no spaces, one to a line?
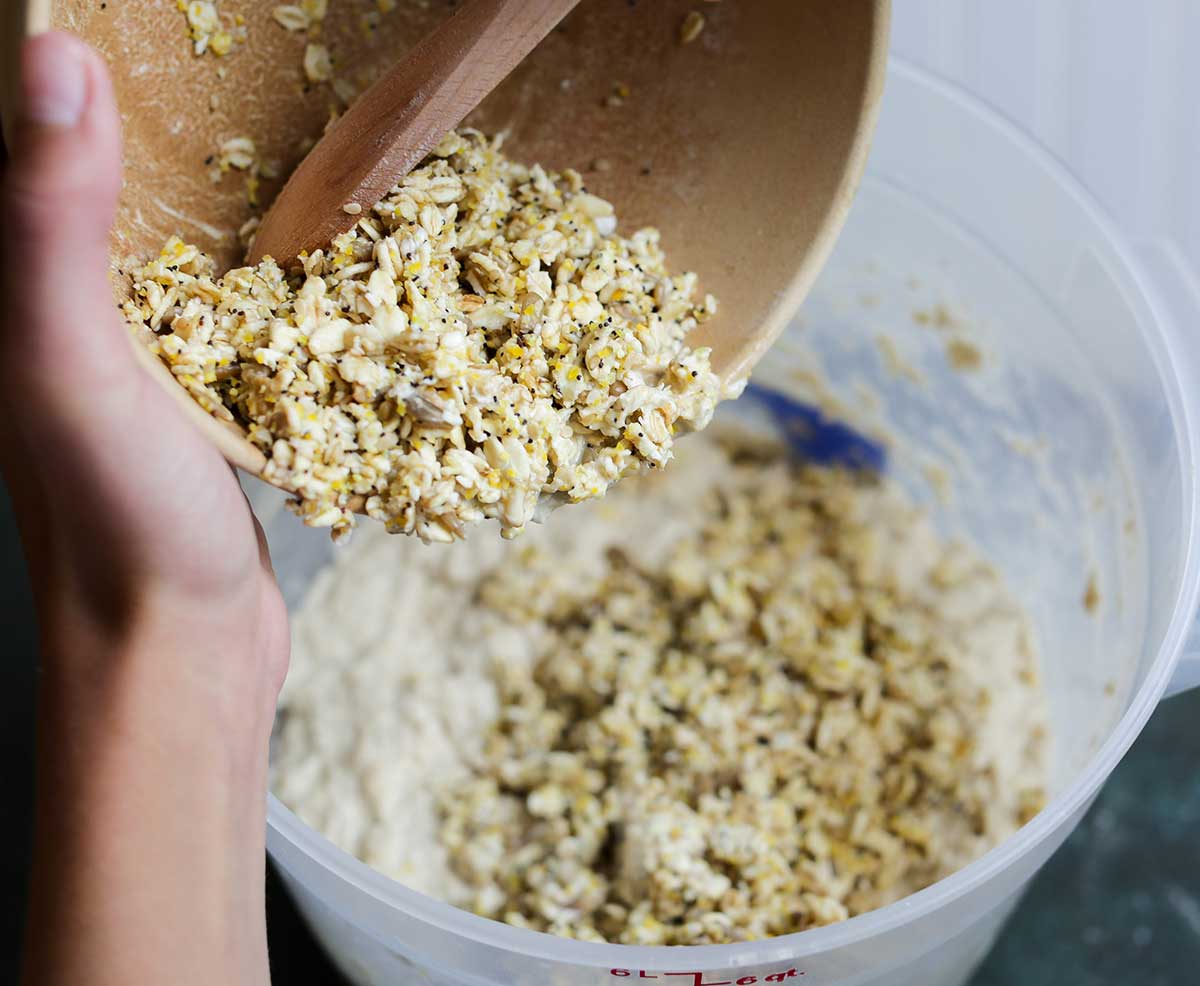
{"x":739,"y":699}
{"x":208,"y":30}
{"x":483,"y":339}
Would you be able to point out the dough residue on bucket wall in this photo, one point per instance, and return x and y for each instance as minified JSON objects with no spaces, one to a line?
{"x":736,"y":700}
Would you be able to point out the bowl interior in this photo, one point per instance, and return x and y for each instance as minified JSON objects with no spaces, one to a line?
{"x":742,"y":146}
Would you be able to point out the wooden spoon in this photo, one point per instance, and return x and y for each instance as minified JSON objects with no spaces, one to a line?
{"x":400,"y":119}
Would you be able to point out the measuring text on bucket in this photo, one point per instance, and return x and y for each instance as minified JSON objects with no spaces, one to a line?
{"x":697,"y":978}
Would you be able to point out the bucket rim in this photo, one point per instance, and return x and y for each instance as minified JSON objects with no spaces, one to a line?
{"x":286,"y":828}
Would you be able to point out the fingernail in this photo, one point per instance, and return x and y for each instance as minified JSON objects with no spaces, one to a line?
{"x":54,"y":80}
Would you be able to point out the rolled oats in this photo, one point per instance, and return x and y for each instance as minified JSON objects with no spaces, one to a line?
{"x":209,"y":30}
{"x":692,"y":27}
{"x":318,"y":63}
{"x":291,"y":17}
{"x":762,"y":733}
{"x":482,"y":339}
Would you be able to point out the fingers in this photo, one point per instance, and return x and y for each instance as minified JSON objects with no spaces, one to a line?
{"x":60,"y":195}
{"x":260,"y":534}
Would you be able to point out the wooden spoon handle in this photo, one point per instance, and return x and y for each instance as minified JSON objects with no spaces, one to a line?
{"x":401,"y":118}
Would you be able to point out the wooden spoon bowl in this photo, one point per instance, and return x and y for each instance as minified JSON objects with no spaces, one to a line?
{"x":743,"y":146}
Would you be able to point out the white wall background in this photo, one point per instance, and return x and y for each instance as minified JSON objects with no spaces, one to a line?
{"x":1112,"y":87}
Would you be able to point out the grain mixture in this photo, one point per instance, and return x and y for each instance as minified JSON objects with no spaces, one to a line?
{"x":483,"y":339}
{"x":736,"y":700}
{"x":209,"y":30}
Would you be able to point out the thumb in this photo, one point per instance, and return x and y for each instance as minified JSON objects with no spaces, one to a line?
{"x":60,"y":197}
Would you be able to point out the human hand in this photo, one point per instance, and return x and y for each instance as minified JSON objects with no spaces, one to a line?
{"x":164,"y":637}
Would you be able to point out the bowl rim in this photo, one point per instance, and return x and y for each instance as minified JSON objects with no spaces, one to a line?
{"x":1073,"y":800}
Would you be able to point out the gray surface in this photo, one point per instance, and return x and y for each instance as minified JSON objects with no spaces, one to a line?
{"x":16,"y":728}
{"x":1119,"y":904}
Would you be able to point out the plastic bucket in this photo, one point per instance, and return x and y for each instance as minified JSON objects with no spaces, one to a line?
{"x":1071,"y":455}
